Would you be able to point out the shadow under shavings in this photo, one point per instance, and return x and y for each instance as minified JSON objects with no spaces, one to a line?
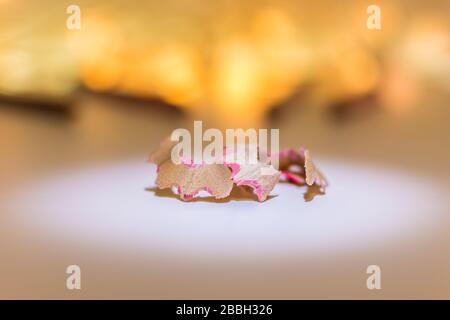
{"x":237,"y":194}
{"x":312,"y":192}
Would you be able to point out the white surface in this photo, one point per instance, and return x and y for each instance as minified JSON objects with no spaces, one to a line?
{"x":109,"y":206}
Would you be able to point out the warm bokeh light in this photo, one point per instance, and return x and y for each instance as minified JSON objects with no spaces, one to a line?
{"x":348,"y":69}
{"x":231,"y":62}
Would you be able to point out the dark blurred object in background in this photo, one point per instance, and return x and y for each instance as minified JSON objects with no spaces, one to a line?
{"x":228,"y":61}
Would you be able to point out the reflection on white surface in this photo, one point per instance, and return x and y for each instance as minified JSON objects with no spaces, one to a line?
{"x":109,"y":206}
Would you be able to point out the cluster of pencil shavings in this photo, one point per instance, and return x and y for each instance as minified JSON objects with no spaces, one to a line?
{"x":187,"y":178}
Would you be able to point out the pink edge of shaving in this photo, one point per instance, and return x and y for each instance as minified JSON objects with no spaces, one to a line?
{"x":190,"y":164}
{"x":292,"y":177}
{"x":257,"y":188}
{"x":291,"y":153}
{"x":189,"y":197}
{"x":235,"y":168}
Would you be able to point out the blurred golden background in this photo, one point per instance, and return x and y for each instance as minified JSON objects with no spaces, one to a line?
{"x":230,"y":61}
